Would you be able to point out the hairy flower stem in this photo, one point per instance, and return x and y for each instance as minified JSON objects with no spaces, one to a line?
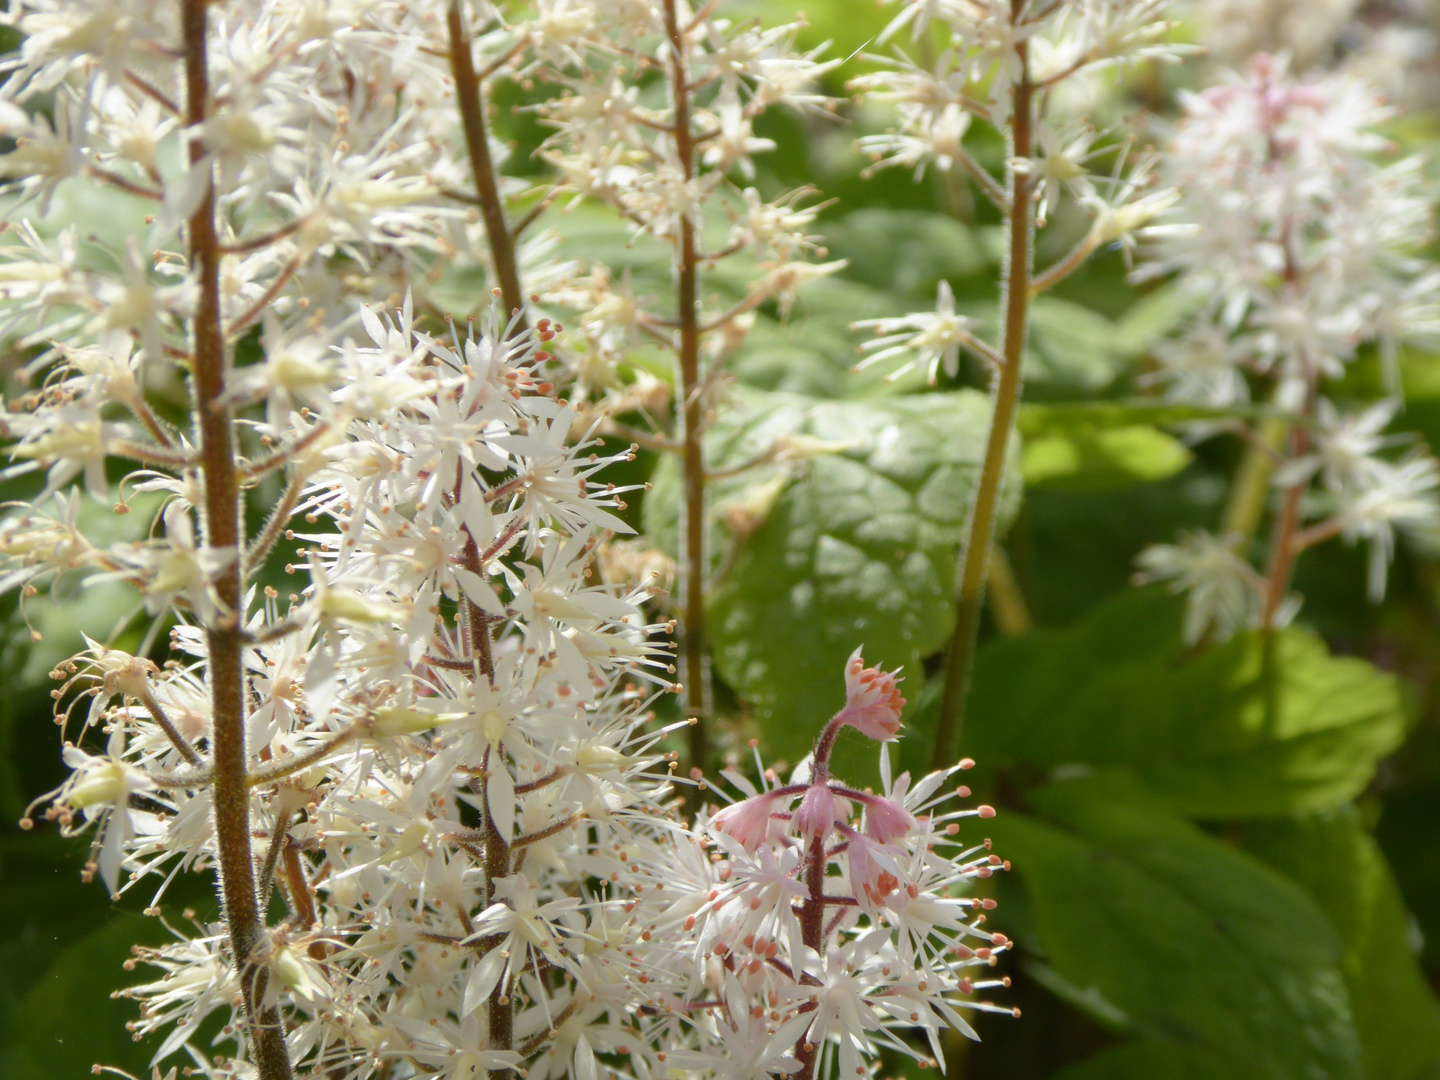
{"x":812,"y":932}
{"x":469,"y":95}
{"x":692,"y":562}
{"x":501,"y":1006}
{"x":980,"y":531}
{"x":812,"y":909}
{"x":1285,"y":544}
{"x":231,"y":790}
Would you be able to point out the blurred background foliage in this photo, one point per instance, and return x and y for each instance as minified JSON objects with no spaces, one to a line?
{"x":1217,"y":874}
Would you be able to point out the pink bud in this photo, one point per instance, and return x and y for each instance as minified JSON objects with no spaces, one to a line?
{"x":818,"y":811}
{"x":747,"y":821}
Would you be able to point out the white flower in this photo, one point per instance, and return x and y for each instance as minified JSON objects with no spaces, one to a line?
{"x":1347,"y":445}
{"x":1223,"y":591}
{"x":99,"y":788}
{"x":934,"y":337}
{"x":1403,"y":496}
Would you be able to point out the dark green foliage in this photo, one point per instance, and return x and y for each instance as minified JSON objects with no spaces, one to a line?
{"x":1184,"y":937}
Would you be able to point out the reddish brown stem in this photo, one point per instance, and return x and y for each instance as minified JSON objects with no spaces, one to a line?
{"x":693,"y":568}
{"x":497,"y":865}
{"x":812,"y":932}
{"x":1283,"y":546}
{"x":470,"y":97}
{"x":231,"y":791}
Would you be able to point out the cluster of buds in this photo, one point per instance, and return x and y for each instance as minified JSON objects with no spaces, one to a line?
{"x":1303,"y":255}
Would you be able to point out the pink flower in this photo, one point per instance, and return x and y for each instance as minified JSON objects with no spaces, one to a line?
{"x":871,"y":866}
{"x":747,"y":821}
{"x":887,"y":820}
{"x":872,"y":700}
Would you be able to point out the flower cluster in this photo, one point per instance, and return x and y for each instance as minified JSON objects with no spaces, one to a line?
{"x":1003,"y":65}
{"x":446,"y":735}
{"x":400,"y":701}
{"x":831,"y":922}
{"x":1304,"y":257}
{"x":655,"y":121}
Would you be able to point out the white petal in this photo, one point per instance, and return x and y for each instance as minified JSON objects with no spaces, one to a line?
{"x":483,"y":979}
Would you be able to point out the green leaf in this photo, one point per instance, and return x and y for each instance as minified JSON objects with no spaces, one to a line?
{"x":1147,"y":1059}
{"x":1411,"y":843}
{"x":1155,"y":315}
{"x":68,"y":1022}
{"x":1036,"y":420}
{"x":41,"y":900}
{"x":840,"y":26}
{"x":1072,"y":349}
{"x":1198,"y":944}
{"x":1074,"y":549}
{"x":1100,"y":459}
{"x":852,"y":544}
{"x":1212,"y":735}
{"x":907,"y":253}
{"x":1333,"y":858}
{"x":813,"y":351}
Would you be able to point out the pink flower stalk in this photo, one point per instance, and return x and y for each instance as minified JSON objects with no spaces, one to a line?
{"x":825,"y":924}
{"x":872,"y":700}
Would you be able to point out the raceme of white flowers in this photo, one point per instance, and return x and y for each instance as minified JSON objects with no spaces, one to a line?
{"x":1304,"y":253}
{"x":450,"y":771}
{"x":1051,"y":47}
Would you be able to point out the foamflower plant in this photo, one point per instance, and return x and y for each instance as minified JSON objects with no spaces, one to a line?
{"x":370,"y":681}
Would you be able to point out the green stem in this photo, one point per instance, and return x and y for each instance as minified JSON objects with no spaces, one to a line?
{"x":980,"y":531}
{"x":1007,"y":600}
{"x":1251,"y":489}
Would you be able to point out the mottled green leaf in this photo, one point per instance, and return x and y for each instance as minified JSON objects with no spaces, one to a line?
{"x":852,"y":540}
{"x":907,"y":253}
